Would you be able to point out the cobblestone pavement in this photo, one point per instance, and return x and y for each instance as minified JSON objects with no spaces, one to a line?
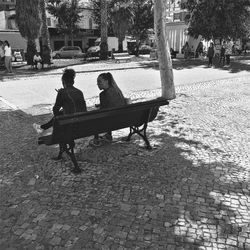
{"x":192,"y":191}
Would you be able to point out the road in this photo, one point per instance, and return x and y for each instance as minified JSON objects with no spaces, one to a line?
{"x":35,"y":95}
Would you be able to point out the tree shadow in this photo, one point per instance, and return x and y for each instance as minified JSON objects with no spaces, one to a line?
{"x":184,"y":200}
{"x":237,"y":64}
{"x":170,"y":196}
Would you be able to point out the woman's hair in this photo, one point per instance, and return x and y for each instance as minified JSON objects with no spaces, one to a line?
{"x":111,"y":82}
{"x":7,"y":43}
{"x":69,"y":77}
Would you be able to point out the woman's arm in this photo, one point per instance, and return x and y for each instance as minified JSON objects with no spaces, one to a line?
{"x":58,"y":103}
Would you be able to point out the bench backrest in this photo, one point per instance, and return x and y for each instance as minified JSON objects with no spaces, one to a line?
{"x":69,"y":127}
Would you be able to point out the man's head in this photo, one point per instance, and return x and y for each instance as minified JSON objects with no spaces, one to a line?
{"x":68,"y":77}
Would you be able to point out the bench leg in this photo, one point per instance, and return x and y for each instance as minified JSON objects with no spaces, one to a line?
{"x":70,"y":152}
{"x":62,"y":148}
{"x":140,"y":132}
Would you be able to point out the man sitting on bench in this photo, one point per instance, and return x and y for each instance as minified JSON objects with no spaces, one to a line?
{"x":69,"y":100}
{"x":37,"y":59}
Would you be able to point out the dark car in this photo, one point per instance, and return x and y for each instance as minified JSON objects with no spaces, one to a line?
{"x":145,"y":49}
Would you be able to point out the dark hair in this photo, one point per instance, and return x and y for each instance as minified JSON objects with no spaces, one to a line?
{"x":69,"y":76}
{"x":7,"y":43}
{"x":111,"y":82}
{"x":108,"y":77}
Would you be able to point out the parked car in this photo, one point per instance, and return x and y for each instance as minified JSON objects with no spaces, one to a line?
{"x":68,"y":52}
{"x":145,"y":49}
{"x":17,"y":56}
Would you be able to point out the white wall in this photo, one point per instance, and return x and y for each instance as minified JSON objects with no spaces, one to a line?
{"x":84,"y":23}
{"x":176,"y":33}
{"x":177,"y":36}
{"x":2,"y":20}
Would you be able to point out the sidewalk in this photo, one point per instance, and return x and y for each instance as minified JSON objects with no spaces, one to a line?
{"x":94,"y":66}
{"x":191,"y":191}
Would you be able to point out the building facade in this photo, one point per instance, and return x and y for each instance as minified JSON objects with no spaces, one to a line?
{"x":176,"y":27}
{"x":86,"y":37}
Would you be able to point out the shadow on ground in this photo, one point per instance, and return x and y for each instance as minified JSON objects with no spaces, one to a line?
{"x":147,"y":199}
{"x":236,"y":65}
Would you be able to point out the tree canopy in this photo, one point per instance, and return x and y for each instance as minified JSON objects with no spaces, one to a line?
{"x":28,"y":18}
{"x":217,"y":18}
{"x":139,"y":17}
{"x":143,"y":18}
{"x":68,"y":14}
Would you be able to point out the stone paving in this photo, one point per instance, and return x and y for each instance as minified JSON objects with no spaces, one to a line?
{"x":192,"y":191}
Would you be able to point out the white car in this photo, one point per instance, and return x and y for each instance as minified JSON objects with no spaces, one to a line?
{"x":17,"y":57}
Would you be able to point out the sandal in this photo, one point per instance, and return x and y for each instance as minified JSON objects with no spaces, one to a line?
{"x":106,"y":138}
{"x":95,"y":143}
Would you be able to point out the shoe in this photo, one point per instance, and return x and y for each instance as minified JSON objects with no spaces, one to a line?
{"x":95,"y":143}
{"x":76,"y":170}
{"x":37,"y":127}
{"x":107,"y":138}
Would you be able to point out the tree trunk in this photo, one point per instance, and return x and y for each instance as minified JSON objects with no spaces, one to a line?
{"x":65,"y":40}
{"x":165,"y":62}
{"x":44,"y":29}
{"x":31,"y":50}
{"x":104,"y":31}
{"x":45,"y":47}
{"x":72,"y":38}
{"x":120,"y":44}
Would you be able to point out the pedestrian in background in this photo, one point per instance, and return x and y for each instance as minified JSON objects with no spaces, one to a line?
{"x":186,"y":50}
{"x":8,"y":57}
{"x":199,"y":50}
{"x":1,"y":53}
{"x":210,"y":54}
{"x":228,"y":51}
{"x":222,"y":53}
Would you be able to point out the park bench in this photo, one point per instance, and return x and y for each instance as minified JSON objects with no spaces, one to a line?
{"x":67,"y":128}
{"x":122,"y":57}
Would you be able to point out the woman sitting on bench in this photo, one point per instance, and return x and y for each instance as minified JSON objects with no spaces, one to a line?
{"x":110,"y":97}
{"x":69,"y":100}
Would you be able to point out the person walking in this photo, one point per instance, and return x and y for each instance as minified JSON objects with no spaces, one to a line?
{"x":1,"y":53}
{"x":210,"y":55}
{"x":8,"y":57}
{"x":222,"y":53}
{"x":186,"y":50}
{"x":228,"y":51}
